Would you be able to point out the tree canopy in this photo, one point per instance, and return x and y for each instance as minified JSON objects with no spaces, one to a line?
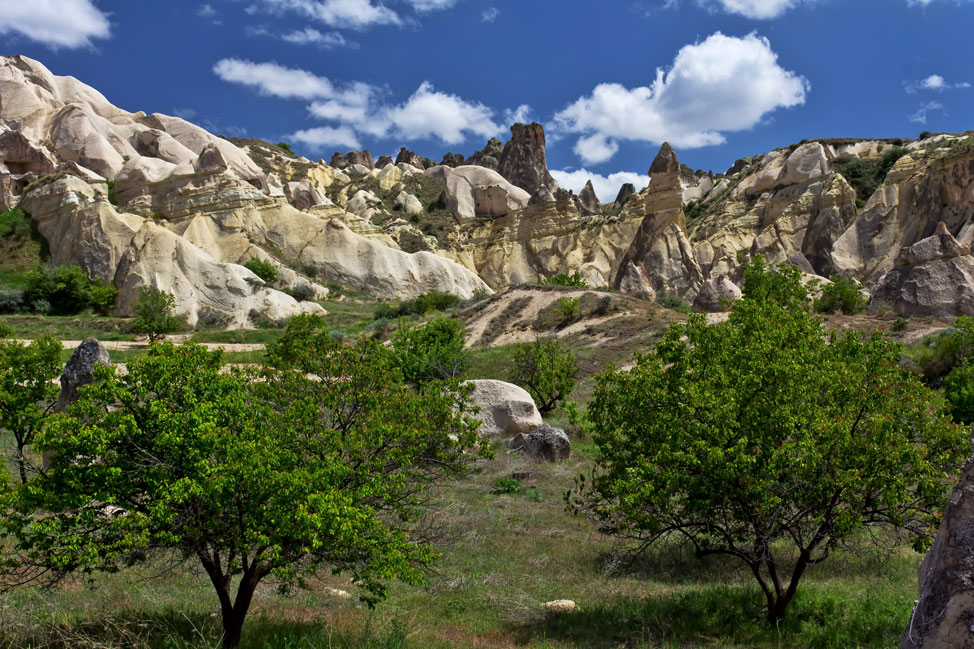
{"x":768,"y":439}
{"x":319,"y":462}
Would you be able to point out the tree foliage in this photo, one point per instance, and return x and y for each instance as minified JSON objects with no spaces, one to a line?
{"x":959,"y":391}
{"x":767,"y":439}
{"x":262,"y":268}
{"x":841,"y":295}
{"x":573,"y":280}
{"x":546,"y":369}
{"x":27,"y":394}
{"x":276,"y":471}
{"x":432,"y":352}
{"x":154,"y":313}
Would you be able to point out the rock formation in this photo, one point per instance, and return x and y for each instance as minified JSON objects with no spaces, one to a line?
{"x":661,"y":247}
{"x":79,"y":371}
{"x":489,"y":156}
{"x":715,"y":295}
{"x":588,"y":202}
{"x":452,"y":160}
{"x":505,"y":409}
{"x":470,"y":192}
{"x":523,"y":161}
{"x":625,"y":192}
{"x":943,"y":616}
{"x":544,"y":444}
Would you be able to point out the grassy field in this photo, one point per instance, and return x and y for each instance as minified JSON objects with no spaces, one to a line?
{"x":503,"y":556}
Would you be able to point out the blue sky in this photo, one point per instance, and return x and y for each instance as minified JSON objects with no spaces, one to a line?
{"x":610,"y":80}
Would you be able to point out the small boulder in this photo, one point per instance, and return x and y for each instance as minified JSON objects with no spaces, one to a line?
{"x":560,"y":606}
{"x":715,"y":295}
{"x":412,"y":205}
{"x":79,"y":370}
{"x":544,"y":444}
{"x":505,"y":409}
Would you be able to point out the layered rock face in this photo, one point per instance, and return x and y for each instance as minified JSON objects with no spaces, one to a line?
{"x":212,"y":205}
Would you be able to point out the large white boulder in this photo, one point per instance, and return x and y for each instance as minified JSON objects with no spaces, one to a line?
{"x":505,"y":409}
{"x":470,"y":191}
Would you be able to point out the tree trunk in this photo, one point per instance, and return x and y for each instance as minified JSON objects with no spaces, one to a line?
{"x":234,"y":616}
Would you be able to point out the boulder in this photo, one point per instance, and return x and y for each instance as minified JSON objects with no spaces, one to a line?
{"x":544,"y":444}
{"x":357,"y":170}
{"x":505,"y":409}
{"x":211,"y":160}
{"x":389,"y":177}
{"x":943,"y":288}
{"x":470,"y":192}
{"x":412,"y":205}
{"x":941,"y":245}
{"x":20,"y":156}
{"x":560,"y":606}
{"x":523,"y":161}
{"x":303,"y":195}
{"x":943,"y":615}
{"x":383,"y":161}
{"x":79,"y":371}
{"x":804,"y":164}
{"x":588,"y":202}
{"x":715,"y":295}
{"x":665,"y":162}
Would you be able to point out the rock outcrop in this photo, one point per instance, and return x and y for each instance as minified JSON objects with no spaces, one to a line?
{"x":625,"y":192}
{"x":523,"y":160}
{"x":545,"y":444}
{"x":470,"y":192}
{"x":505,"y":409}
{"x":661,"y":247}
{"x":489,"y":156}
{"x":715,"y":295}
{"x":588,"y":202}
{"x":943,"y":616}
{"x":79,"y":371}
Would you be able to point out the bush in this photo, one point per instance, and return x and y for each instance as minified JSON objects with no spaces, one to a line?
{"x":420,"y":305}
{"x":432,"y":352}
{"x":262,"y":268}
{"x":65,"y":288}
{"x":673,"y":303}
{"x":154,"y":313}
{"x":959,"y":391}
{"x":564,"y":279}
{"x":103,"y":297}
{"x":11,"y":300}
{"x":285,"y":146}
{"x":112,"y":197}
{"x":507,"y":487}
{"x":302,"y":293}
{"x":843,"y":295}
{"x":866,"y":175}
{"x":546,"y":369}
{"x":943,"y":351}
{"x":568,"y":309}
{"x":900,"y":323}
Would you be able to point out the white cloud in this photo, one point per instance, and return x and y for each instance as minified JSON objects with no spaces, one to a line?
{"x":520,"y":115}
{"x":756,"y":9}
{"x":324,"y":137}
{"x":207,"y":11}
{"x":920,"y":117}
{"x":311,"y":36}
{"x":595,"y":148}
{"x":425,"y":6}
{"x":490,"y":14}
{"x":935,"y":82}
{"x":340,"y":14}
{"x":275,"y":80}
{"x":55,"y":23}
{"x":720,"y":85}
{"x":606,"y":187}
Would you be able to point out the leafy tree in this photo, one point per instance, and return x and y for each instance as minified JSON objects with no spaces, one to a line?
{"x":27,"y":393}
{"x":154,"y":313}
{"x":568,"y":309}
{"x":262,"y":268}
{"x":103,"y":296}
{"x":943,"y":351}
{"x":546,"y":369}
{"x":841,"y":294}
{"x":959,"y":390}
{"x":767,"y":439}
{"x":280,"y":472}
{"x":432,"y":352}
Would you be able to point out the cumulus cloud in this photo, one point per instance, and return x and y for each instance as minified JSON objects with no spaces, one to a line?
{"x":756,"y":9}
{"x":274,"y":80}
{"x":936,"y":83}
{"x":722,"y":84}
{"x":325,"y":137}
{"x":920,"y":117}
{"x":311,"y":36}
{"x":425,"y":6}
{"x":490,"y":14}
{"x":521,"y":114}
{"x":54,"y":23}
{"x":606,"y":187}
{"x":340,"y":14}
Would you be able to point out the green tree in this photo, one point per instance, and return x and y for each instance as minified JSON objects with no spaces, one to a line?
{"x":843,"y":295}
{"x":262,"y":268}
{"x":272,"y":472}
{"x":65,"y":288}
{"x":432,"y":352}
{"x":27,"y":393}
{"x":959,"y":391}
{"x":767,"y":439}
{"x":154,"y":313}
{"x":103,"y":296}
{"x":546,"y":369}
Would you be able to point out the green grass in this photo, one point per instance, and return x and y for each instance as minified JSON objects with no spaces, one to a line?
{"x":503,"y":555}
{"x":239,"y":336}
{"x":75,"y":327}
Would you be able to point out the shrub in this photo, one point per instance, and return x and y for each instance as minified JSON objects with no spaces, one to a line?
{"x":302,"y":293}
{"x":285,"y":146}
{"x":673,"y":302}
{"x":154,"y":313}
{"x":65,"y":288}
{"x":546,"y":369}
{"x":112,"y":196}
{"x":507,"y":487}
{"x":866,"y":175}
{"x":573,"y":280}
{"x":943,"y":351}
{"x":432,"y":352}
{"x":900,"y":323}
{"x":420,"y":305}
{"x":843,"y":295}
{"x":768,"y":439}
{"x":262,"y":268}
{"x":103,"y":297}
{"x":959,"y":391}
{"x":568,"y":309}
{"x":11,"y":300}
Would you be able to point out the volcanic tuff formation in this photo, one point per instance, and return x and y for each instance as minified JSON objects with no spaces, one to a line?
{"x":191,"y":206}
